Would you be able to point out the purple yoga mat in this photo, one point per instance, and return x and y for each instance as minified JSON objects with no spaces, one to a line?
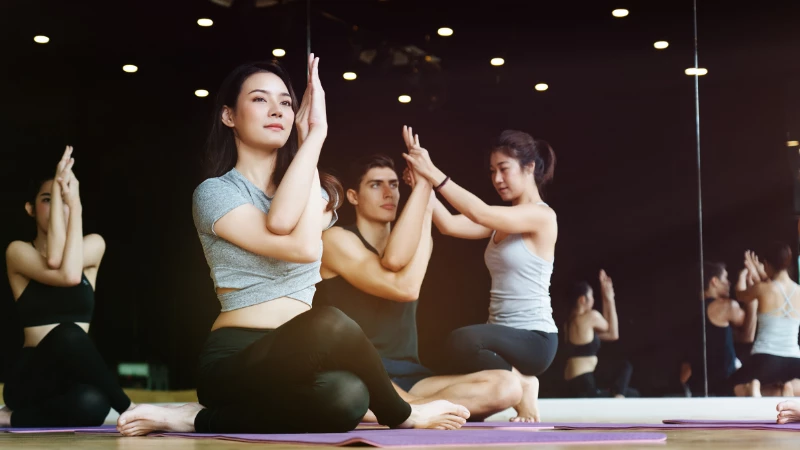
{"x":101,"y":429}
{"x":735,"y":424}
{"x":478,"y":425}
{"x":431,"y":438}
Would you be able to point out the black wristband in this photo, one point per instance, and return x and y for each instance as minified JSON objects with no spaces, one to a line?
{"x":446,"y":179}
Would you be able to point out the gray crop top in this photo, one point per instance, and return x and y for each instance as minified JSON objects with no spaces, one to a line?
{"x":258,"y":278}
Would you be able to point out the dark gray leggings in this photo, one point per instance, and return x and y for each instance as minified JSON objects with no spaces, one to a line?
{"x":488,"y":346}
{"x":316,"y":373}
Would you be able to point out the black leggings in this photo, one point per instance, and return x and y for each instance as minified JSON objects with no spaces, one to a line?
{"x":62,"y":382}
{"x":488,"y":346}
{"x":316,"y":373}
{"x":609,"y":378}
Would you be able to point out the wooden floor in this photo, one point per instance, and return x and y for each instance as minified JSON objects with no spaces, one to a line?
{"x":679,"y":439}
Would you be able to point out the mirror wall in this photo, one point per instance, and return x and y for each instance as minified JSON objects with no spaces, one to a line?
{"x":749,"y":132}
{"x":618,"y":112}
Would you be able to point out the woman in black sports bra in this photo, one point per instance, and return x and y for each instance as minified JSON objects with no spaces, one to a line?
{"x":585,"y":329}
{"x":59,"y":380}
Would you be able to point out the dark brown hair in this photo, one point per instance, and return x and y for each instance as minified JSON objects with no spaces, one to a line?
{"x":779,"y":256}
{"x":362,"y":165}
{"x":711,"y":270}
{"x":527,"y":150}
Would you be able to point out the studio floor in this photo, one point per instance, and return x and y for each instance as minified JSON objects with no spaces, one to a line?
{"x":553,"y":410}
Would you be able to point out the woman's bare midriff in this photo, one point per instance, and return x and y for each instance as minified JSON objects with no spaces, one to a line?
{"x":267,"y":315}
{"x":579,"y":365}
{"x":34,"y":335}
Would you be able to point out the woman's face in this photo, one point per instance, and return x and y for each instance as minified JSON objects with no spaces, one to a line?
{"x":508,"y":178}
{"x":41,"y":210}
{"x":263,"y":117}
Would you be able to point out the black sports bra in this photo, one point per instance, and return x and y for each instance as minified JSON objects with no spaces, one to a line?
{"x":589,"y":349}
{"x":42,"y":304}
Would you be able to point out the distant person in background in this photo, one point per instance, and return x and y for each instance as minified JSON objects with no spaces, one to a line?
{"x":726,"y":322}
{"x":776,"y":353}
{"x":60,"y":380}
{"x":585,"y":329}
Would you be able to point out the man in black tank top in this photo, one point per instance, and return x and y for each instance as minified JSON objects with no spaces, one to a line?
{"x":726,"y":322}
{"x":373,"y":273}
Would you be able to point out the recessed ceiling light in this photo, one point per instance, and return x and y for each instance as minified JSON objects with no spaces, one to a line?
{"x":661,"y":45}
{"x":205,"y":22}
{"x":349,"y":76}
{"x":699,"y":71}
{"x":130,"y":68}
{"x":498,"y":61}
{"x":41,"y":39}
{"x":279,"y":52}
{"x":541,"y":87}
{"x":201,"y":93}
{"x":444,"y":31}
{"x":404,"y":99}
{"x":620,"y":12}
{"x":793,"y":143}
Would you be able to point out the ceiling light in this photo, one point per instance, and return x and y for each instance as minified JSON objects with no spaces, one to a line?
{"x":130,"y":68}
{"x":541,"y":87}
{"x":41,"y":39}
{"x":444,"y":31}
{"x":793,"y":143}
{"x":498,"y":61}
{"x":404,"y":99}
{"x":201,"y":93}
{"x":620,"y":13}
{"x":661,"y":45}
{"x":349,"y":76}
{"x":699,"y":71}
{"x":205,"y":22}
{"x":279,"y":52}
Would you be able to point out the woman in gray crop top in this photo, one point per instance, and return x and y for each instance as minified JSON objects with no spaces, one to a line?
{"x":775,"y":356}
{"x":272,"y":364}
{"x":520,"y":335}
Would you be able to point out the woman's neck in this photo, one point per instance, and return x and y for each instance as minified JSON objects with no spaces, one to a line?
{"x":257,"y":165}
{"x":530,"y":195}
{"x":782,"y":276}
{"x":40,"y":242}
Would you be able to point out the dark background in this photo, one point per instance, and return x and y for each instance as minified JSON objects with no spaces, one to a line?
{"x":619,"y":114}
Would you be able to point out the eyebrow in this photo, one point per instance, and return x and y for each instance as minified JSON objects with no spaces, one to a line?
{"x":283,"y":94}
{"x":45,"y":193}
{"x":391,"y":180}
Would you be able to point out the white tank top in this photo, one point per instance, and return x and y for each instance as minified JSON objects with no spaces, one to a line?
{"x":520,"y":294}
{"x":777,"y":329}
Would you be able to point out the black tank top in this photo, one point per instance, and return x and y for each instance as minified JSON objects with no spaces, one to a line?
{"x":589,"y":349}
{"x":391,"y":326}
{"x":42,"y":304}
{"x":720,"y":351}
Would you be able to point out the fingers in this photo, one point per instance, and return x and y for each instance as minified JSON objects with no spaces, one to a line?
{"x":416,"y":140}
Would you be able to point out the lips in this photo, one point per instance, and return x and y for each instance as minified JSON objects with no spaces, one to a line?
{"x":389,"y":207}
{"x":275,"y":127}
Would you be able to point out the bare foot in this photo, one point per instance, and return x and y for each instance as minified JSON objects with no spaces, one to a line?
{"x":5,"y":417}
{"x":438,"y":414}
{"x":144,"y":419}
{"x":528,"y":407}
{"x":788,"y":390}
{"x":788,"y":411}
{"x":370,"y":417}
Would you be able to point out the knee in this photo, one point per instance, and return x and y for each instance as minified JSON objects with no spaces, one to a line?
{"x":346,"y":398}
{"x":91,"y":406}
{"x":506,"y":389}
{"x":462,"y":340}
{"x":330,"y":322}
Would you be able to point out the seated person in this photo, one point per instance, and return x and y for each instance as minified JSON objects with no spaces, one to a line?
{"x":373,"y":273}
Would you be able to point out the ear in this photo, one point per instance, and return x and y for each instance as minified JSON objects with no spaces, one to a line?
{"x":352,"y":197}
{"x":227,"y":116}
{"x":583,"y":300}
{"x":29,"y":209}
{"x":530,"y":168}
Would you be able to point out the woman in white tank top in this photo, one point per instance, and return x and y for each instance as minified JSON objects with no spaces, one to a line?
{"x":520,"y":334}
{"x":776,"y":354}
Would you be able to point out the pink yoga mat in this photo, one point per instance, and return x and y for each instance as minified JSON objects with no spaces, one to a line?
{"x":101,"y":429}
{"x":432,"y":438}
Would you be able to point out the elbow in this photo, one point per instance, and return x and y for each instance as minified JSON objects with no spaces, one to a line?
{"x":307,"y":253}
{"x":392,"y":263}
{"x":53,"y":263}
{"x":279,"y":225}
{"x":72,"y":279}
{"x":409,"y":294}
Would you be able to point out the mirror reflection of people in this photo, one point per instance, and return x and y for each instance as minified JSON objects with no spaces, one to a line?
{"x":585,"y":329}
{"x":60,"y":379}
{"x":775,"y":358}
{"x":520,"y":335}
{"x":726,"y":322}
{"x":272,"y":363}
